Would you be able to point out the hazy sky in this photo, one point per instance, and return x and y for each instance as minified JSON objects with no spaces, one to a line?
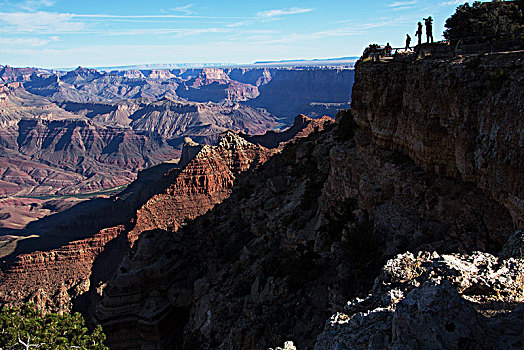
{"x":69,"y":33}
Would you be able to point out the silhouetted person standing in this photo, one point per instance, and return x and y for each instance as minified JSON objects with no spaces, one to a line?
{"x":419,"y":33}
{"x":429,"y":28}
{"x":388,"y":49}
{"x":408,"y":41}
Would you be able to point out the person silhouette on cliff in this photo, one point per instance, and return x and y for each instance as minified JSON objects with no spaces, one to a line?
{"x":388,"y":50}
{"x":429,"y":28}
{"x":408,"y":41}
{"x":419,"y":33}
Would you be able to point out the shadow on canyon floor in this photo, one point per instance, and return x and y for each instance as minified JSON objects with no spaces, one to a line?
{"x":85,"y":219}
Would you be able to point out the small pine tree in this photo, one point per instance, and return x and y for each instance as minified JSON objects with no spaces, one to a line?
{"x":26,"y":327}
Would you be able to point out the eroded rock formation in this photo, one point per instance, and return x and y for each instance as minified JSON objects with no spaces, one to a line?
{"x":62,"y":272}
{"x":301,"y":233}
{"x":460,"y":118}
{"x":435,"y":301}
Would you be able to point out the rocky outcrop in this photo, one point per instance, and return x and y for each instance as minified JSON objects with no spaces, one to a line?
{"x":302,"y":127}
{"x":115,"y":114}
{"x":206,"y":180}
{"x":435,"y":301}
{"x":10,"y":74}
{"x":209,"y":173}
{"x":213,"y":84}
{"x":165,"y":196}
{"x":108,"y":156}
{"x":460,"y":118}
{"x":201,"y":121}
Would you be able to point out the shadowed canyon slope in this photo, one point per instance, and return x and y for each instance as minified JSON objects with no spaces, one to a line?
{"x":167,"y":196}
{"x":407,"y":207}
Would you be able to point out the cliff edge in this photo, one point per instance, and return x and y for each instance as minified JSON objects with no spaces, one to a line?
{"x":460,"y":118}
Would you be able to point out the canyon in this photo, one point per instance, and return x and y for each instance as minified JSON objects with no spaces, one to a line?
{"x":77,"y":265}
{"x":85,"y":133}
{"x":397,"y":226}
{"x":315,"y":225}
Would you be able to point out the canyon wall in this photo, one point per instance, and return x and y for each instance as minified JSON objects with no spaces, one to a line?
{"x":291,"y":92}
{"x":460,"y":118}
{"x":67,"y":266}
{"x":298,"y":236}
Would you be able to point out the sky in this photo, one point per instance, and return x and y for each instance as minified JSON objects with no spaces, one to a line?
{"x":102,"y":33}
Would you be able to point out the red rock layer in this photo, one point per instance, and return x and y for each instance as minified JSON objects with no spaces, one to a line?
{"x":52,"y":279}
{"x":205,"y":181}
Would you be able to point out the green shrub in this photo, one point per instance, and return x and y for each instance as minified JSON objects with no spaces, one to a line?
{"x":26,"y":326}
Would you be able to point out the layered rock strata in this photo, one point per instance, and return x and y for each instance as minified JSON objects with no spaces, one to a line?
{"x":460,"y":118}
{"x":53,"y":279}
{"x":70,"y":274}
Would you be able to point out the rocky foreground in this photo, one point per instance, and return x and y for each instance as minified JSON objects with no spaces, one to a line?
{"x":434,"y":301}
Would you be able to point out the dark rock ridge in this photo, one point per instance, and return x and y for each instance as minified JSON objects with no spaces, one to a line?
{"x":461,"y":119}
{"x":302,"y":126}
{"x":311,"y":228}
{"x":305,"y":231}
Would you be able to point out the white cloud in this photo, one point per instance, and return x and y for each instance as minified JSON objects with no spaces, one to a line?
{"x":39,"y":22}
{"x":402,"y":3}
{"x":179,"y":32}
{"x":183,"y":9}
{"x":27,"y":5}
{"x":23,"y":42}
{"x":452,"y":2}
{"x":237,"y":24}
{"x":110,"y":16}
{"x":282,"y":12}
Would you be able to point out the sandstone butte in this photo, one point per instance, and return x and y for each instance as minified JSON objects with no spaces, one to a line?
{"x":428,"y":162}
{"x":72,"y":276}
